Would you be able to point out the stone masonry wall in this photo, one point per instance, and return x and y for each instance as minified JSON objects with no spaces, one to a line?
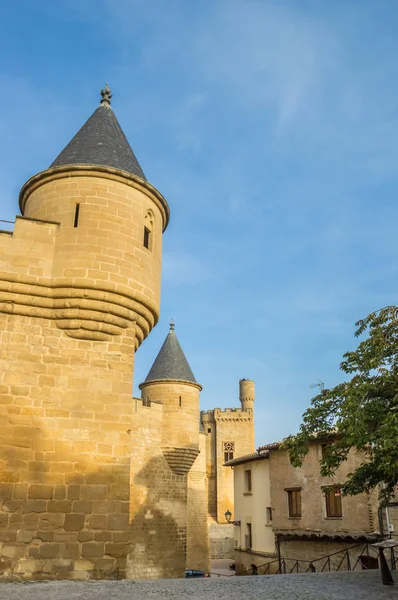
{"x":221,"y":539}
{"x":104,"y":255}
{"x":65,"y":451}
{"x":75,"y":302}
{"x":158,"y":507}
{"x":197,"y":535}
{"x":359,"y":512}
{"x":238,"y":427}
{"x":180,"y":402}
{"x":265,"y":563}
{"x":318,"y":551}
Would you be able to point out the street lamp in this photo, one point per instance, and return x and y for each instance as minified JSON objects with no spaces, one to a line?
{"x":228,"y":516}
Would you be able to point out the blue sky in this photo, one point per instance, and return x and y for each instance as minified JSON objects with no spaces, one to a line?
{"x":272,"y":130}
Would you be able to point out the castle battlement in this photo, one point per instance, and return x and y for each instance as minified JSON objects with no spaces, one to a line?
{"x":226,"y":414}
{"x":142,"y":406}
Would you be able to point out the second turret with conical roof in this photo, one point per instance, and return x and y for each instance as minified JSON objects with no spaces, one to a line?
{"x":171,"y":382}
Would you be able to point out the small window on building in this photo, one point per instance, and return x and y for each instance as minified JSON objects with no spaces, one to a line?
{"x":148,"y":229}
{"x":268,"y":515}
{"x":248,"y":481}
{"x":229,"y":449}
{"x":333,"y":502}
{"x":248,"y":536}
{"x":294,"y":502}
{"x":76,"y":219}
{"x":179,"y":401}
{"x":209,"y":430}
{"x":324,"y":451}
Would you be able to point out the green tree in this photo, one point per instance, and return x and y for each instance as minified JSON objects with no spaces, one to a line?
{"x":360,"y":413}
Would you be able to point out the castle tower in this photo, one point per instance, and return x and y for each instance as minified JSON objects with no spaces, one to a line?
{"x":159,"y":512}
{"x":246,"y":394}
{"x":230,"y":433}
{"x":109,"y":238}
{"x":79,"y":291}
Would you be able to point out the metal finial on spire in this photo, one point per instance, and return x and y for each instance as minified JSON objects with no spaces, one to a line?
{"x":172,"y":325}
{"x":106,"y":95}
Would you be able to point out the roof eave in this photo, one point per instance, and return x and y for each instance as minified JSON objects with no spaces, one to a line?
{"x":79,"y":170}
{"x":184,"y":381}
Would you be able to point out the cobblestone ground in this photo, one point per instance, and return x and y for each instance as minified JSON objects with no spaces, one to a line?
{"x":314,"y":586}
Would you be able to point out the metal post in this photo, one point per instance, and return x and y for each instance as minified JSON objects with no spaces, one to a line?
{"x":278,"y":546}
{"x":386,"y":576}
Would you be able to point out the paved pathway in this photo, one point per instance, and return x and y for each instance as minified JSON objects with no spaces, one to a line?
{"x":308,"y":586}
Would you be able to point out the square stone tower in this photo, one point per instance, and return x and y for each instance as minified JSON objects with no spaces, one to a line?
{"x":230,"y":434}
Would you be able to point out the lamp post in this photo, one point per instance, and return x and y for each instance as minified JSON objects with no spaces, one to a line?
{"x":228,"y":516}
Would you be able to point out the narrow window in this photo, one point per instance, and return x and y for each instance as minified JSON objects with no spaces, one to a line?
{"x":180,"y":401}
{"x":209,"y":430}
{"x":77,"y":210}
{"x":248,"y":536}
{"x":268,"y":515}
{"x":294,"y":502}
{"x":147,"y":234}
{"x":229,"y":448}
{"x":333,"y":503}
{"x":148,"y":229}
{"x":248,"y":481}
{"x":324,"y":451}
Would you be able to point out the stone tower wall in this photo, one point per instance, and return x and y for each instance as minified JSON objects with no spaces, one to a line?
{"x":209,"y":426}
{"x":246,"y":394}
{"x":197,"y":535}
{"x":221,"y":426}
{"x":69,"y":328}
{"x":180,"y":402}
{"x":158,"y":507}
{"x":166,"y":474}
{"x":229,"y":425}
{"x":104,"y":254}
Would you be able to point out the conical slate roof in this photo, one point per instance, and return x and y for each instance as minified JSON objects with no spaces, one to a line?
{"x":170,"y":363}
{"x":101,"y":141}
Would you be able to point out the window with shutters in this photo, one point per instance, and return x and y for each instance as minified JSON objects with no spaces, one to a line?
{"x":333,"y":502}
{"x":294,"y":502}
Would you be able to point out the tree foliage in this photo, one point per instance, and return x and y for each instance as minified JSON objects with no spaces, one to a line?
{"x":361,"y":413}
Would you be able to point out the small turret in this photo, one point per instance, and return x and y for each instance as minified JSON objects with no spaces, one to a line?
{"x":171,"y":382}
{"x":246,"y":394}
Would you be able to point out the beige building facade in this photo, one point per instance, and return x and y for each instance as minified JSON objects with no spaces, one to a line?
{"x":311,"y":518}
{"x":94,"y":483}
{"x":254,"y":539}
{"x":285,"y":514}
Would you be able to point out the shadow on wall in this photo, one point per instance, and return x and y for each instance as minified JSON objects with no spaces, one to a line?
{"x":66,"y":513}
{"x":159,"y":527}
